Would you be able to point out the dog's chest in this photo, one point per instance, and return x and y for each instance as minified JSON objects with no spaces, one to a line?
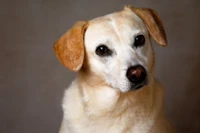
{"x":95,"y":118}
{"x":119,"y":125}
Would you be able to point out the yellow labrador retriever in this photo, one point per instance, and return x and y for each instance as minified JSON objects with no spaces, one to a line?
{"x":115,"y":90}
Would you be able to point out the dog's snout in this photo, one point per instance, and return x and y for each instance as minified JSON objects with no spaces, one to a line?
{"x":136,"y":74}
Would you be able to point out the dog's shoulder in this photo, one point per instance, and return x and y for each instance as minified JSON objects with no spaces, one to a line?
{"x":72,"y":100}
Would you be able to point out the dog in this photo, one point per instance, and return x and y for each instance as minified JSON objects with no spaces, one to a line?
{"x":115,"y":90}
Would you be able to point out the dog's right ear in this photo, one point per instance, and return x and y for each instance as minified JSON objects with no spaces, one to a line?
{"x":70,"y":47}
{"x":153,"y":23}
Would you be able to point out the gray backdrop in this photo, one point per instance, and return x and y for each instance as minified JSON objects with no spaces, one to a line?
{"x":32,"y":80}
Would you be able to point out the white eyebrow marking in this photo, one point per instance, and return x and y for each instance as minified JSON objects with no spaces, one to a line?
{"x":113,"y":24}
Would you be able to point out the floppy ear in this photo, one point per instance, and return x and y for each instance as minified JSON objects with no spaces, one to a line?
{"x":70,"y":47}
{"x":153,"y":23}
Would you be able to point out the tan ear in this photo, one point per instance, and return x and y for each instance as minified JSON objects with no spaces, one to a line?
{"x":153,"y":23}
{"x":70,"y":47}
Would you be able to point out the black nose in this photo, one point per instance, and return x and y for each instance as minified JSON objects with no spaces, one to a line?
{"x":136,"y":74}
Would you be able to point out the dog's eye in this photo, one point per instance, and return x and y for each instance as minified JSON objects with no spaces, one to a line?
{"x":103,"y":50}
{"x":139,"y":41}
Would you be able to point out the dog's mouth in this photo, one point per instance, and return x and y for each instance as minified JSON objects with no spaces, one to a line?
{"x":138,"y":86}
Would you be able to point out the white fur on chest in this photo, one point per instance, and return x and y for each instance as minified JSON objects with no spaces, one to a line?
{"x":81,"y":115}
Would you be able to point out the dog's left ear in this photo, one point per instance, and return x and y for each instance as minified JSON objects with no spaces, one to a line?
{"x":153,"y":23}
{"x":70,"y":47}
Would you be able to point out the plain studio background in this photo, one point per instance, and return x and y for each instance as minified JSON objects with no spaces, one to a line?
{"x":32,"y":80}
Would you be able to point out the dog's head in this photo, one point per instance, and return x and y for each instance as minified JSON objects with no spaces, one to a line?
{"x":115,"y":48}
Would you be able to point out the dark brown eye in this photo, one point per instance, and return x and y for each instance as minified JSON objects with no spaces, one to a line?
{"x":139,"y":41}
{"x":103,"y":50}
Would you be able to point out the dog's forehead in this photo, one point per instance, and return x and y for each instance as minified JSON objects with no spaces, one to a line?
{"x":119,"y":24}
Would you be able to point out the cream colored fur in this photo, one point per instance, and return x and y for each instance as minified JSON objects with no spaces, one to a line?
{"x":100,"y":100}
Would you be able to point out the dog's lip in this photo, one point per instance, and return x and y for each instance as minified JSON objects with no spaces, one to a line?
{"x":138,"y":86}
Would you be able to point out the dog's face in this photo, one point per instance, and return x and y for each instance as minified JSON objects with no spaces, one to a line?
{"x":116,"y":42}
{"x":117,"y":48}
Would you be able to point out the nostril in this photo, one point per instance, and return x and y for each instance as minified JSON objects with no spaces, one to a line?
{"x":133,"y":78}
{"x":136,"y":74}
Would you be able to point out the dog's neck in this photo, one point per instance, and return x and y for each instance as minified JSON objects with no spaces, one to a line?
{"x":110,"y":102}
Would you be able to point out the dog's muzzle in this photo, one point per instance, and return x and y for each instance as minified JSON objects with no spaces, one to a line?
{"x":137,"y":76}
